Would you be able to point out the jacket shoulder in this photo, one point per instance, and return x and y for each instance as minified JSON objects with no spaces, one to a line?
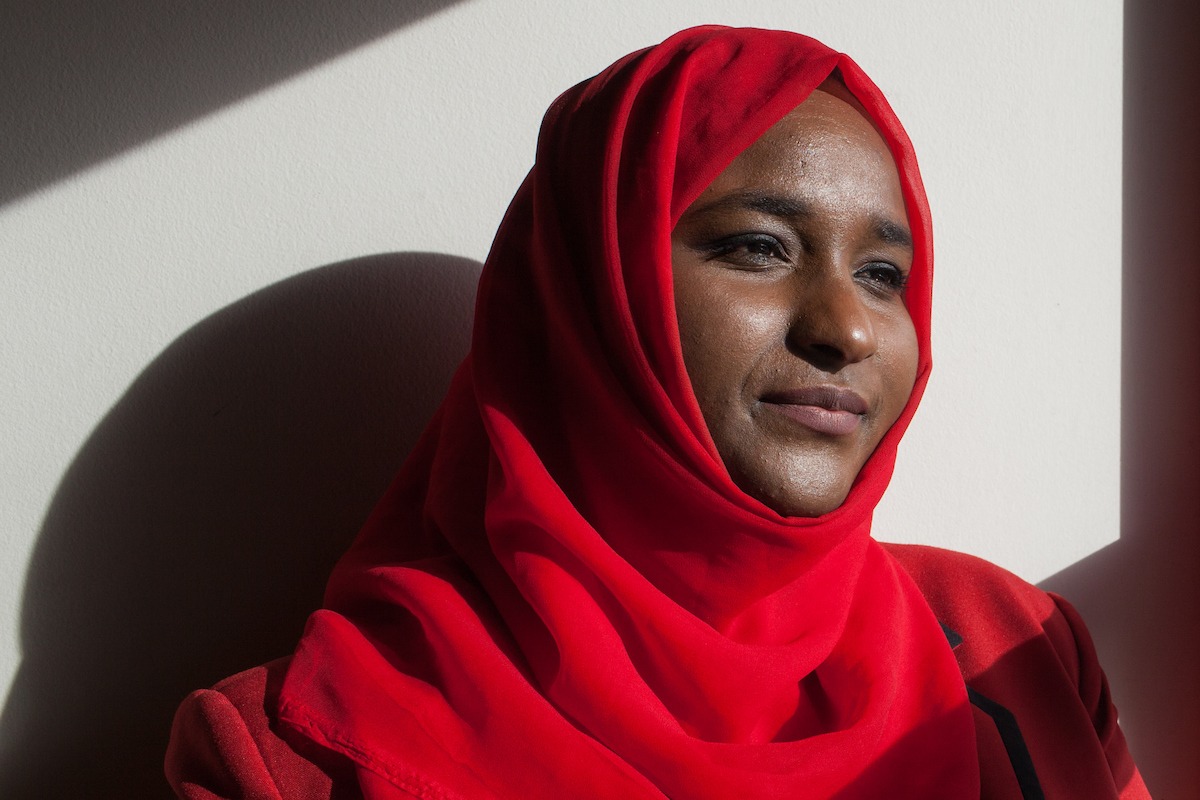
{"x":957,"y":584}
{"x":224,"y":743}
{"x":1027,"y":652}
{"x":990,"y":608}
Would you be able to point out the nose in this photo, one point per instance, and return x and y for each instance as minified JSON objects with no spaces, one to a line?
{"x":832,"y":326}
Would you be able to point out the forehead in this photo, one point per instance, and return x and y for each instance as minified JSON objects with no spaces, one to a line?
{"x":825,"y":148}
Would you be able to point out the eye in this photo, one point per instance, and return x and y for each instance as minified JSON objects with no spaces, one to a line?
{"x":883,"y":277}
{"x":748,"y":250}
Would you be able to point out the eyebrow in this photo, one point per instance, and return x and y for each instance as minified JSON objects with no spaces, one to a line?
{"x":889,"y":232}
{"x":773,"y":204}
{"x":883,"y":229}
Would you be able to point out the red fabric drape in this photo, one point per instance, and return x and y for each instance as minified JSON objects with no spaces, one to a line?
{"x":563,"y":594}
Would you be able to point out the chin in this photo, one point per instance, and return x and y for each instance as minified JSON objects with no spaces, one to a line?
{"x":800,"y":500}
{"x":806,"y":479}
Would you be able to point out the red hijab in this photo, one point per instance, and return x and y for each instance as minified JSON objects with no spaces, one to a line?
{"x":564,"y":594}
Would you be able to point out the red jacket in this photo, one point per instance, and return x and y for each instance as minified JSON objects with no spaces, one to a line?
{"x":1045,"y":723}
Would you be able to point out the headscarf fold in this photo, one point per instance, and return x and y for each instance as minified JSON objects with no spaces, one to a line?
{"x":564,"y":594}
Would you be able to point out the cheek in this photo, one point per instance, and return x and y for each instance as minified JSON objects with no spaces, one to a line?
{"x":901,"y":366}
{"x":723,"y":335}
{"x":705,"y":340}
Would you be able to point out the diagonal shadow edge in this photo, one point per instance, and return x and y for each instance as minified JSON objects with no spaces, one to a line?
{"x":94,"y":80}
{"x":1141,"y":594}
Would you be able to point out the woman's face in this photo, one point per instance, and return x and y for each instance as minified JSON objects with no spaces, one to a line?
{"x":789,"y":272}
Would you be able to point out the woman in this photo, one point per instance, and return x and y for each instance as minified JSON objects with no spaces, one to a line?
{"x":631,"y":555}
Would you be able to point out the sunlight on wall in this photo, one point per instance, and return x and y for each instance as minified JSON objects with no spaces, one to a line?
{"x":417,"y":141}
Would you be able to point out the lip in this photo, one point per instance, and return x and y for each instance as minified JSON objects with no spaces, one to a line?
{"x":829,"y":410}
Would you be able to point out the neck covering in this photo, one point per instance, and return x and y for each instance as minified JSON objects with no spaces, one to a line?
{"x":563,"y":594}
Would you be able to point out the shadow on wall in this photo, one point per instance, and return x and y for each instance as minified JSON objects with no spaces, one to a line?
{"x":86,"y":81}
{"x":1141,"y":594}
{"x":194,"y":531}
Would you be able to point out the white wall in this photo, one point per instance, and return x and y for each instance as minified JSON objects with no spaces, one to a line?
{"x":201,"y":403}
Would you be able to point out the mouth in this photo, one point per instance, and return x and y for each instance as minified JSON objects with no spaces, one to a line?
{"x":828,"y":410}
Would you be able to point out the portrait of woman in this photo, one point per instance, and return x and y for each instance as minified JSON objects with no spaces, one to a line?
{"x":631,"y":554}
{"x":468,"y":399}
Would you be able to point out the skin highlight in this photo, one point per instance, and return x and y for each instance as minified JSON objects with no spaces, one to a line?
{"x":789,"y":277}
